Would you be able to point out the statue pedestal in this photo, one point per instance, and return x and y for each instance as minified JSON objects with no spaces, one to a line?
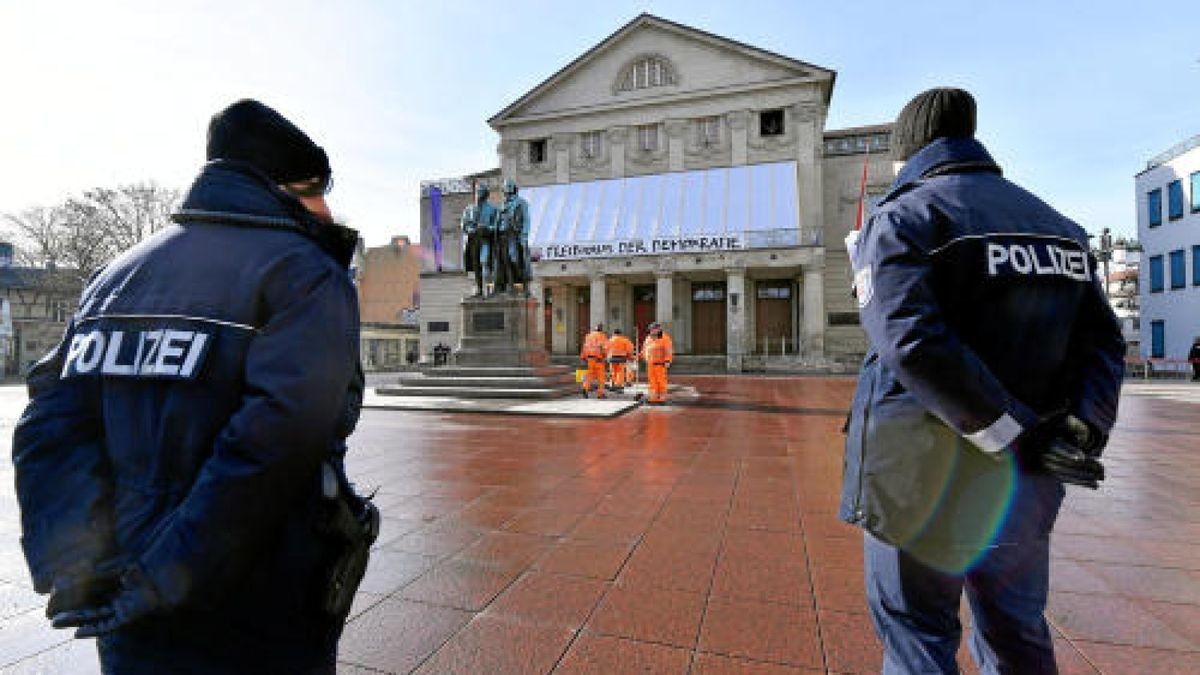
{"x":500,"y":331}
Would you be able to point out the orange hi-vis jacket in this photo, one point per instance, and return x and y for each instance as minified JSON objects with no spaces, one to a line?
{"x":656,"y":351}
{"x":595,"y":346}
{"x":620,"y":349}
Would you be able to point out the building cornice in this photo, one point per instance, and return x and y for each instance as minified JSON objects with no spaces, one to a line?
{"x":666,"y":100}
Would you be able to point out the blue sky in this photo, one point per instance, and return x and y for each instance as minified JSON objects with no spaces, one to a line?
{"x":1074,"y":97}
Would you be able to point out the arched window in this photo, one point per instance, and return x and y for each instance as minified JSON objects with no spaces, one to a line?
{"x":646,"y":71}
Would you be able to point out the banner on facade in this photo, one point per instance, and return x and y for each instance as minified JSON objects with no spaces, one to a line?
{"x":655,"y":246}
{"x":435,"y":207}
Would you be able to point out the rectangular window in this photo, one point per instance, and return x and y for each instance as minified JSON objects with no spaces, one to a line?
{"x":843,"y":319}
{"x":708,"y":131}
{"x":1196,"y":265}
{"x":589,"y":144}
{"x":648,"y":137}
{"x":770,"y":123}
{"x":708,"y":292}
{"x":438,"y":326}
{"x":768,"y":290}
{"x":1154,"y":207}
{"x":1158,"y":339}
{"x":537,"y":151}
{"x":1178,"y":269}
{"x":1156,"y":274}
{"x":1175,"y":200}
{"x":1195,"y":191}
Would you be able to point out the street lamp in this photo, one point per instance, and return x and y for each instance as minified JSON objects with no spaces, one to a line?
{"x":1104,"y":253}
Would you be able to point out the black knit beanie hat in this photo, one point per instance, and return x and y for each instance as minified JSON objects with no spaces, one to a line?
{"x":251,"y":132}
{"x":938,"y":113}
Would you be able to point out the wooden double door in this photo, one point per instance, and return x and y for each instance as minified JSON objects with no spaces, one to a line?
{"x":709,"y":318}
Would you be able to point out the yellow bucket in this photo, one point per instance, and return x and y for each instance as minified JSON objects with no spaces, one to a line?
{"x":579,"y":375}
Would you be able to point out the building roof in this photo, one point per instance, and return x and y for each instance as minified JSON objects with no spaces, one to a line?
{"x":647,"y":19}
{"x":21,"y":277}
{"x":859,"y":131}
{"x":1171,"y":153}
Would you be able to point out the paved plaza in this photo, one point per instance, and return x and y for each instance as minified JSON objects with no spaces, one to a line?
{"x":700,"y":537}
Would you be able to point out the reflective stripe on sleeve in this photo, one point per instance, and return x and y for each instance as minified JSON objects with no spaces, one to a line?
{"x":998,"y":435}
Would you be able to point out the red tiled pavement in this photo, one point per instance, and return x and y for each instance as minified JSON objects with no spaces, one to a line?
{"x":696,"y":538}
{"x":703,"y":538}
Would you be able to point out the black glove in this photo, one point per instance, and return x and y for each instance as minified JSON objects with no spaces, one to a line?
{"x":1065,"y":447}
{"x":80,"y":591}
{"x":135,"y":598}
{"x":1070,"y":464}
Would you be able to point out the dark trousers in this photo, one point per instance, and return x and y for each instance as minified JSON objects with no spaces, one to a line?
{"x":123,"y":653}
{"x":915,"y":610}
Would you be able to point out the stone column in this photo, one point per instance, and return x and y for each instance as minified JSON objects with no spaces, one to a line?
{"x":664,"y":300}
{"x":537,"y":292}
{"x":616,"y":149}
{"x":507,"y":152}
{"x":735,"y":307}
{"x":813,"y":318}
{"x":561,"y":145}
{"x":598,"y":308}
{"x":739,"y":136}
{"x":808,"y":119}
{"x":675,"y":131}
{"x":563,"y":299}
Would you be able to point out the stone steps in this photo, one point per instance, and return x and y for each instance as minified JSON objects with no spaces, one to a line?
{"x":478,"y":382}
{"x":539,"y":393}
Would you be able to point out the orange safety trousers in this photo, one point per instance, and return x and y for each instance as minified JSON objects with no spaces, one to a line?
{"x":656,"y":375}
{"x":594,"y":379}
{"x":618,"y":374}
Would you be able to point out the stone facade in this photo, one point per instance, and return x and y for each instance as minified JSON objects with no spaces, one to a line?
{"x":657,"y":98}
{"x":37,"y":303}
{"x":388,"y":281}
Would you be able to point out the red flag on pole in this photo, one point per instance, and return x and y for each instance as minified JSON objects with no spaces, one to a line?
{"x":862,"y":188}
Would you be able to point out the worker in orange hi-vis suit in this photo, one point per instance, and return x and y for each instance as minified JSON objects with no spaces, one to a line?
{"x":657,"y":352}
{"x":620,"y":351}
{"x":594,"y":351}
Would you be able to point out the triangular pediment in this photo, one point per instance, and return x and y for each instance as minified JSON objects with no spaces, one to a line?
{"x":697,"y":61}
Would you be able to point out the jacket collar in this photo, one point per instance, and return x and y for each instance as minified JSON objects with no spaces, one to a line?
{"x":235,"y":193}
{"x":942,"y":156}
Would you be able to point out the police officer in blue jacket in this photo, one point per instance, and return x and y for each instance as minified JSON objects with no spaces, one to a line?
{"x":175,"y":457}
{"x":994,"y":355}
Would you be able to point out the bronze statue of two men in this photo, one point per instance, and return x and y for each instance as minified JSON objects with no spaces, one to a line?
{"x":497,"y":242}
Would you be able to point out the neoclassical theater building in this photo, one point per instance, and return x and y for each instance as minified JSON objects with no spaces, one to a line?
{"x":678,"y":176}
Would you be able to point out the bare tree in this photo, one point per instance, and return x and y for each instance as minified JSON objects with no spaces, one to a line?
{"x":80,"y":235}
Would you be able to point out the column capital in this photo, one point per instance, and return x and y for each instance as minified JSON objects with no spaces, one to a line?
{"x":738,"y":119}
{"x":508,"y":148}
{"x":617,"y":135}
{"x":676,"y":128}
{"x":807,"y":111}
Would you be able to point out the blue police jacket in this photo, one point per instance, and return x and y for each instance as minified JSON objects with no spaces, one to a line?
{"x":984,"y":311}
{"x":181,"y":424}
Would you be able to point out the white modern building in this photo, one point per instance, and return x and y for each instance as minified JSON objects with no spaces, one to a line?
{"x":682,"y":177}
{"x":1168,"y":213}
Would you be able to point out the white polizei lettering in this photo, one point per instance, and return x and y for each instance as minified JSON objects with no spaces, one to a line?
{"x":111,"y":367}
{"x":997,"y":255}
{"x":154,"y":337}
{"x":1019,"y":258}
{"x":1076,"y":265}
{"x":1037,"y":261}
{"x":1057,"y":255}
{"x":170,"y":348}
{"x":90,"y":352}
{"x":193,"y":357}
{"x":77,"y":343}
